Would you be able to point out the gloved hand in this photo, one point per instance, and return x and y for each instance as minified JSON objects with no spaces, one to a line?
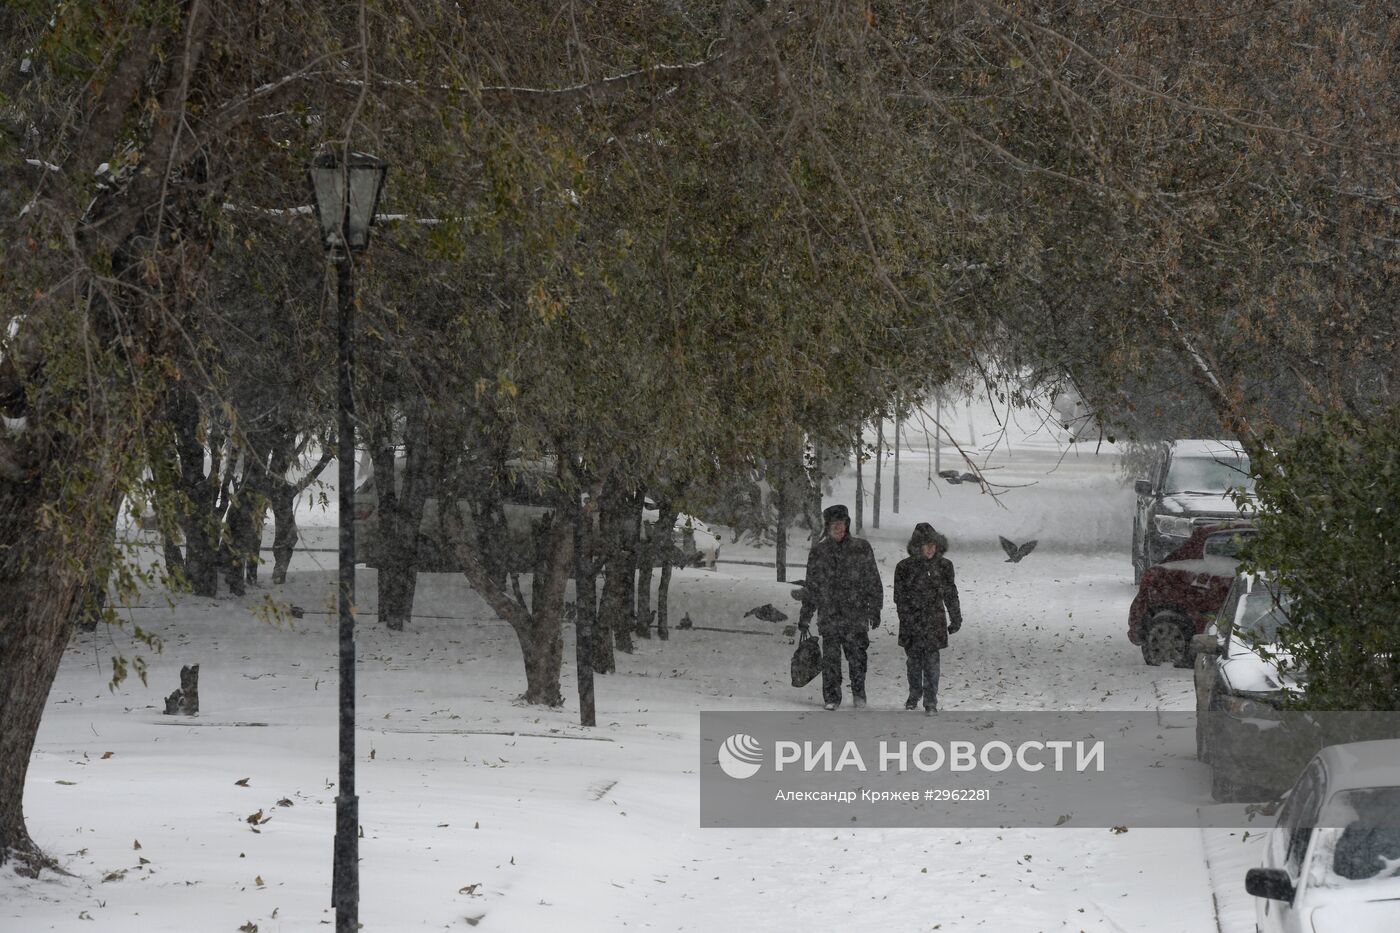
{"x":952,"y":629}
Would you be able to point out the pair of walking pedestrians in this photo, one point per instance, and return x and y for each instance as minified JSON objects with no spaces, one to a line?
{"x":843,"y":589}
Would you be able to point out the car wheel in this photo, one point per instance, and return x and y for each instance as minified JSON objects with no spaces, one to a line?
{"x":1164,"y":641}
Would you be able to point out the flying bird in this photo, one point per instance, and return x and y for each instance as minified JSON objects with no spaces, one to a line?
{"x":767,"y":613}
{"x":1014,"y":553}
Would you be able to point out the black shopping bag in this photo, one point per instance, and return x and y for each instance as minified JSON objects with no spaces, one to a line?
{"x":806,"y":660}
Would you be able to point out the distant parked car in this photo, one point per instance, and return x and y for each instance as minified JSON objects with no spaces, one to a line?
{"x":1190,"y":485}
{"x":1179,"y":597}
{"x":1242,"y":681}
{"x":1332,"y":862}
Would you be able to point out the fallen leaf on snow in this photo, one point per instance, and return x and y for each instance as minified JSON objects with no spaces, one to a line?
{"x":106,"y":755}
{"x":242,"y":782}
{"x":117,"y":875}
{"x":469,"y":889}
{"x":1119,"y":830}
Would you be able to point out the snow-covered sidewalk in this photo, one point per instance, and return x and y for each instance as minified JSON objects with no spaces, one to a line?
{"x":479,"y":811}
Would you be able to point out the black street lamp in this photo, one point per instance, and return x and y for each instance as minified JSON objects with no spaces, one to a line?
{"x":345,"y":223}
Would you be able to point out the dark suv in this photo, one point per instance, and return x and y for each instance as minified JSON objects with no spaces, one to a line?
{"x":1179,"y":597}
{"x":1191,"y":484}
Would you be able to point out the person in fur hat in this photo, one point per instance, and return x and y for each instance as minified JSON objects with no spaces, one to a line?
{"x":844,"y":591}
{"x":927,"y":601}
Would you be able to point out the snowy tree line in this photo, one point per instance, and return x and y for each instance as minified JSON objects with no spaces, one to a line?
{"x":662,"y":244}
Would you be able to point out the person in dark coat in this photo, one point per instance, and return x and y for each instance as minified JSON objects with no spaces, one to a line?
{"x":926,"y":598}
{"x":843,"y":589}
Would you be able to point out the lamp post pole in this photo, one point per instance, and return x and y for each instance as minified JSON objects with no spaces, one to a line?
{"x":345,"y":881}
{"x":347,"y":189}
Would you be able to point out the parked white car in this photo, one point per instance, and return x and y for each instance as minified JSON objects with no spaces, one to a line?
{"x":1332,"y":864}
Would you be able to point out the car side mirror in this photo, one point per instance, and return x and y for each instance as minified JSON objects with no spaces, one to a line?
{"x":1205,"y":644}
{"x":1142,"y":487}
{"x":1270,"y":883}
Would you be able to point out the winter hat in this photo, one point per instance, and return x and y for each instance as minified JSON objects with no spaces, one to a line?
{"x":924,"y":534}
{"x":835,"y":513}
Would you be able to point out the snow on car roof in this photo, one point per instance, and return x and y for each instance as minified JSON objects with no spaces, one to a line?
{"x":1362,"y":764}
{"x":1206,"y":447}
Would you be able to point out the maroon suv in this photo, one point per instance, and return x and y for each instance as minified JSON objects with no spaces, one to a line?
{"x":1180,"y":596}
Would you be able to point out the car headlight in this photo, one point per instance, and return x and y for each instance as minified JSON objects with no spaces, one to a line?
{"x":1252,"y":705}
{"x":1173,"y":526}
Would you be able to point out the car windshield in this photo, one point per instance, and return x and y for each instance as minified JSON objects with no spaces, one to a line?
{"x":1367,"y":847}
{"x":1260,"y":614}
{"x":1208,"y":474}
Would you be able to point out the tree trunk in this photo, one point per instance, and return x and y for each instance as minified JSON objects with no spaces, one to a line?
{"x":898,"y":428}
{"x":170,"y":552}
{"x":398,"y":584}
{"x":860,"y":486}
{"x":607,"y":548}
{"x":39,"y":608}
{"x":41,"y":595}
{"x":200,"y":522}
{"x":631,"y":540}
{"x":282,"y":500}
{"x":620,"y":576}
{"x":585,"y":616}
{"x":646,"y":561}
{"x":538,"y":627}
{"x":663,"y":553}
{"x":284,"y":533}
{"x":255,"y":536}
{"x":937,"y":433}
{"x":879,"y":468}
{"x":400,"y":514}
{"x":544,"y":655}
{"x":238,"y":541}
{"x":663,"y":591}
{"x":544,"y":648}
{"x":780,"y":536}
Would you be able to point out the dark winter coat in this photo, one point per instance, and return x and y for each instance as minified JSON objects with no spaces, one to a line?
{"x":926,"y":598}
{"x":843,"y":583}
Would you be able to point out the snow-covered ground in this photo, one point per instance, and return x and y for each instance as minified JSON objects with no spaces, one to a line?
{"x":479,"y":811}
